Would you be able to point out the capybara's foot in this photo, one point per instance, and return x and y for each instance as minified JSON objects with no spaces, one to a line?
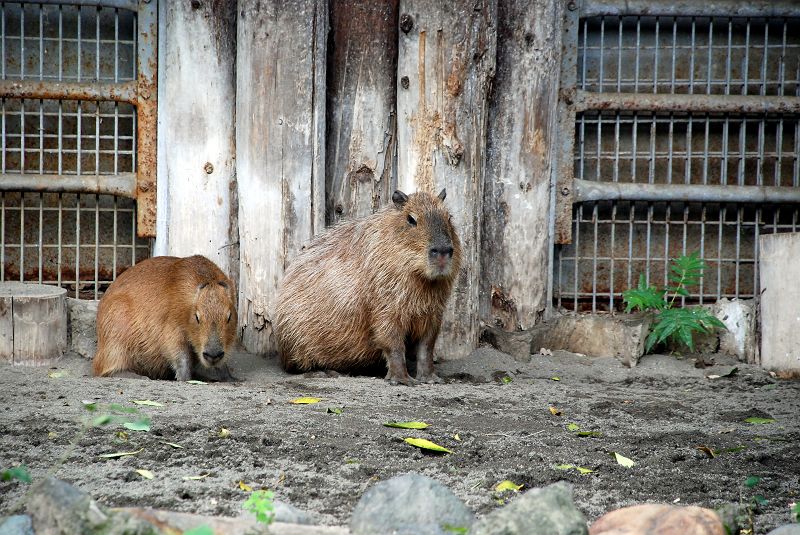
{"x":397,"y":379}
{"x":429,"y":378}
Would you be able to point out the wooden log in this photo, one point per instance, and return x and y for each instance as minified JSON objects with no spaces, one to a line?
{"x":280,"y":160}
{"x":33,"y":323}
{"x":361,"y":135}
{"x":515,"y":245}
{"x":445,"y":66}
{"x":196,"y":131}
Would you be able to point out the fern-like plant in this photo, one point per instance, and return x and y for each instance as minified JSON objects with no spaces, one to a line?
{"x":669,"y":322}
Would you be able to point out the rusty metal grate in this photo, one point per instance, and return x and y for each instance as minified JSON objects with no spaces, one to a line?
{"x":715,"y":148}
{"x":80,"y":241}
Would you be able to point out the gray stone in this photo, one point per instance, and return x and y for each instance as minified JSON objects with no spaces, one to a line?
{"x":788,"y":529}
{"x":17,"y":525}
{"x":81,"y":326}
{"x":290,"y":514}
{"x":780,"y":293}
{"x":409,"y":504}
{"x":516,"y":343}
{"x":620,"y":336}
{"x":548,"y":510}
{"x":739,"y":340}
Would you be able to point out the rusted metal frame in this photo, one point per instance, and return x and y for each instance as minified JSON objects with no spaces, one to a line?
{"x":692,"y":8}
{"x":123,"y":184}
{"x":30,"y":89}
{"x":563,"y":168}
{"x":146,"y":110}
{"x":667,"y":102}
{"x":589,"y":191}
{"x":131,"y":5}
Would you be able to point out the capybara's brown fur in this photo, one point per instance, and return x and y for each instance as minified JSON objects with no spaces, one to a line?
{"x":371,"y":290}
{"x":167,"y":317}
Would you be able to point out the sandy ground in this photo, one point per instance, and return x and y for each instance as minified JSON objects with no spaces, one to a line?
{"x":656,"y":414}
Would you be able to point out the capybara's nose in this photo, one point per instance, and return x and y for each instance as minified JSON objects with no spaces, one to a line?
{"x":441,"y":251}
{"x":213,"y":356}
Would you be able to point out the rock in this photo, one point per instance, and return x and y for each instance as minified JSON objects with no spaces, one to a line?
{"x":658,"y":519}
{"x":81,"y":326}
{"x":517,"y":343}
{"x":739,"y":316}
{"x":17,"y":525}
{"x":788,"y":529}
{"x":734,"y":516}
{"x":544,"y":510}
{"x":290,"y":514}
{"x":58,"y":508}
{"x":409,"y":504}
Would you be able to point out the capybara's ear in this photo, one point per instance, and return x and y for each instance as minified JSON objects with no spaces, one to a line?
{"x":443,"y":193}
{"x":399,"y":198}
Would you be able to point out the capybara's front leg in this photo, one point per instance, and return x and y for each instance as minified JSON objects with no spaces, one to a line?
{"x":182,"y":365}
{"x":425,"y":371}
{"x":396,"y":364}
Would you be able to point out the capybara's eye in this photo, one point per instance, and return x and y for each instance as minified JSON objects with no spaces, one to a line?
{"x":197,"y":316}
{"x":412,"y":221}
{"x":229,"y":317}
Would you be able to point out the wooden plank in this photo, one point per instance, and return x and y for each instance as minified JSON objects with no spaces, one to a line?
{"x":197,"y":144}
{"x":362,"y":79}
{"x":6,"y":329}
{"x":446,"y":64}
{"x":280,"y":118}
{"x":515,"y":245}
{"x":780,"y":322}
{"x":146,"y":118}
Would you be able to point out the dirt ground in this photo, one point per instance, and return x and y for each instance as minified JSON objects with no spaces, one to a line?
{"x":656,"y":414}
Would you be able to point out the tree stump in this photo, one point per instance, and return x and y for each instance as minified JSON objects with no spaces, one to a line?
{"x":33,"y":323}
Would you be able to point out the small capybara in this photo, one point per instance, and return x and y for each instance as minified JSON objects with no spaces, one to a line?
{"x":370,"y":291}
{"x":167,"y":317}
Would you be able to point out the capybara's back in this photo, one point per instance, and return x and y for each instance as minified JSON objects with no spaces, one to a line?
{"x":166,"y":317}
{"x":359,"y":292}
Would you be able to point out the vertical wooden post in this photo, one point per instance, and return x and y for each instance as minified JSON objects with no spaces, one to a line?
{"x":362,"y":78}
{"x":515,"y":246}
{"x":196,"y":121}
{"x":280,"y":158}
{"x":445,"y":69}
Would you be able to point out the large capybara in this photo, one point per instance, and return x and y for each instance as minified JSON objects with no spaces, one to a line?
{"x":167,"y":317}
{"x":371,"y":290}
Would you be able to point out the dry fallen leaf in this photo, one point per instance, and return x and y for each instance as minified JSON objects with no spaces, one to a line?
{"x":426,"y":445}
{"x":305,"y":401}
{"x":147,"y":474}
{"x":554,"y":411}
{"x":245,"y":487}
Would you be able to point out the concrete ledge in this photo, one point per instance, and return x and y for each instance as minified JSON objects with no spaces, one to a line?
{"x":81,"y":327}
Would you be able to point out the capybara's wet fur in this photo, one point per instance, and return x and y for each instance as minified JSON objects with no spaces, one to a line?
{"x":371,"y":291}
{"x":167,"y":317}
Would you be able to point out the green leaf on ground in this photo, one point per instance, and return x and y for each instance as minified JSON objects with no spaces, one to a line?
{"x":624,"y":461}
{"x":147,"y":474}
{"x":20,"y":473}
{"x":305,"y":401}
{"x":120,"y":454}
{"x":506,"y":379}
{"x":426,"y":445}
{"x":406,"y":425}
{"x":592,"y":434}
{"x":457,"y":530}
{"x":752,"y":481}
{"x":147,"y":402}
{"x":199,"y":530}
{"x":57,"y":375}
{"x":142,"y":424}
{"x":795,"y":508}
{"x":555,"y":378}
{"x":580,"y":469}
{"x":101,"y":420}
{"x":760,"y":500}
{"x":172,"y":444}
{"x":196,"y":382}
{"x":195,"y":478}
{"x":758,"y":420}
{"x":507,"y":485}
{"x":223,"y":432}
{"x":573,"y":427}
{"x":335,"y":410}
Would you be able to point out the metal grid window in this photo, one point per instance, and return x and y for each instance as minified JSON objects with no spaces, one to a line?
{"x":616,"y":240}
{"x":80,"y":241}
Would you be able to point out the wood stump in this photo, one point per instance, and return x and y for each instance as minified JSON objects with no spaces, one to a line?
{"x":33,"y":323}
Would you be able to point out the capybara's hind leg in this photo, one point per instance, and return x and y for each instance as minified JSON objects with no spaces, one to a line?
{"x":425,"y":371}
{"x":182,"y":364}
{"x":107,"y":361}
{"x":396,"y":364}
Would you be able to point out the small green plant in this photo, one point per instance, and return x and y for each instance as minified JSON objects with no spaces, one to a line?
{"x":260,"y":504}
{"x":796,"y":512}
{"x":671,"y":322}
{"x":20,"y":473}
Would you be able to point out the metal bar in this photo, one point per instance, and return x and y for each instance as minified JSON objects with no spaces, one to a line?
{"x":691,"y":8}
{"x":130,"y":5}
{"x":588,"y":191}
{"x":146,"y":109}
{"x":586,"y":100}
{"x":123,"y":184}
{"x":29,"y":89}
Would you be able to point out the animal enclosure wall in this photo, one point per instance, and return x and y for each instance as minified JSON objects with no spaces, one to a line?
{"x":686,"y":139}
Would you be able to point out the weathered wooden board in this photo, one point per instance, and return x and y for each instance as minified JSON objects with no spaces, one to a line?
{"x":445,"y":70}
{"x":196,"y":121}
{"x":33,"y":323}
{"x":361,"y":131}
{"x":280,"y":161}
{"x":780,"y":293}
{"x":521,"y":138}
